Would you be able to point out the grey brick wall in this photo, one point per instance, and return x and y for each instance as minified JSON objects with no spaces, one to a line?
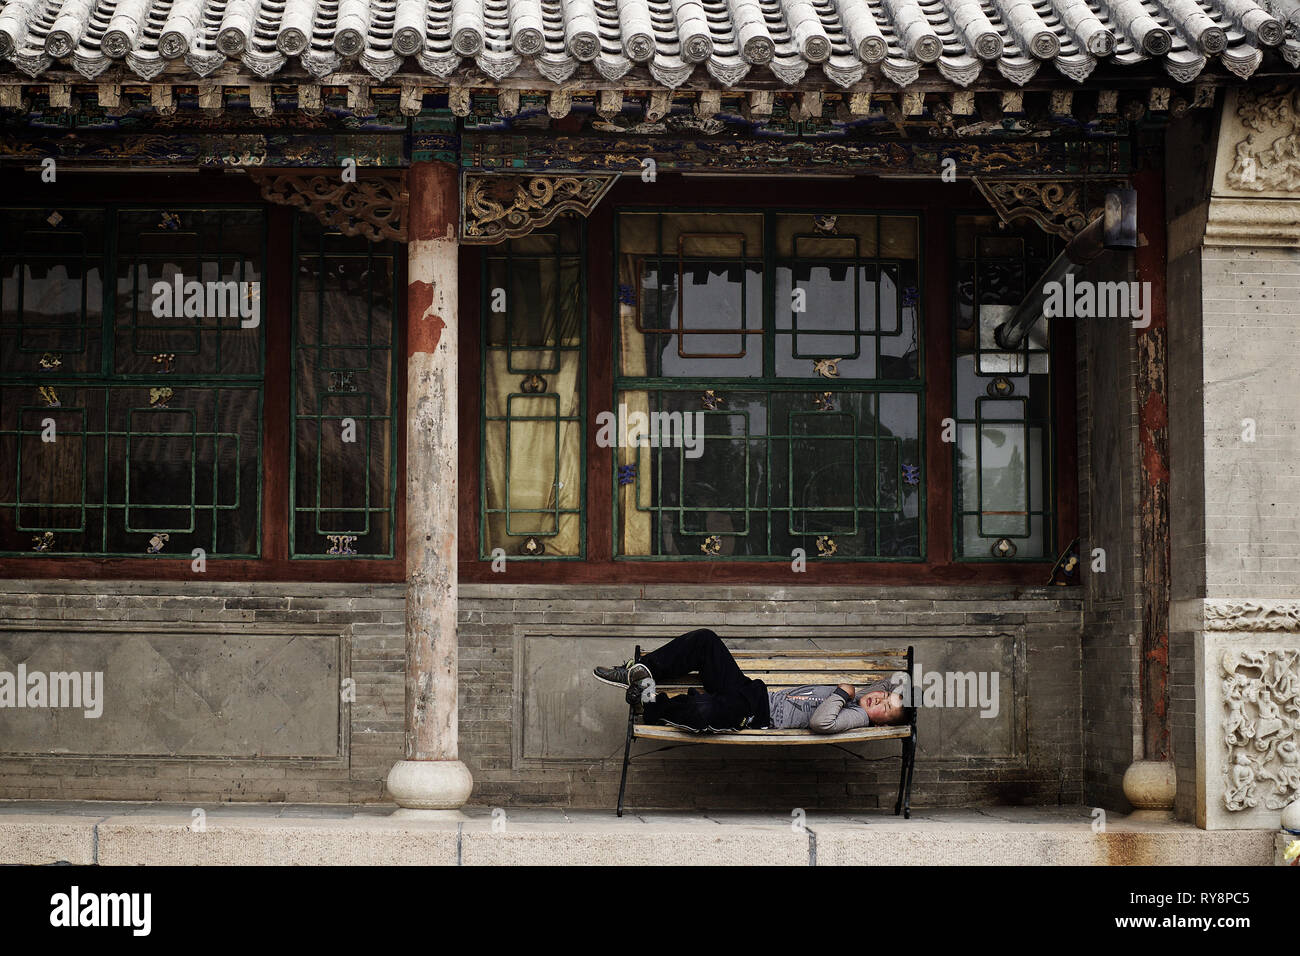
{"x":1240,"y":537}
{"x":1250,"y":354}
{"x":368,"y":618}
{"x":1042,"y":625}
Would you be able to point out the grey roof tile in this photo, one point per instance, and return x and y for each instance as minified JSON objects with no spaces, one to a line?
{"x":840,"y":41}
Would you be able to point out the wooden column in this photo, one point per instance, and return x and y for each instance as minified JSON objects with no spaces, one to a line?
{"x":1150,"y":783}
{"x":1153,"y":447}
{"x":431,"y":777}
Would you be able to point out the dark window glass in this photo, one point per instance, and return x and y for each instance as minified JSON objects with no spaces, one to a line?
{"x":344,"y":374}
{"x":130,"y":422}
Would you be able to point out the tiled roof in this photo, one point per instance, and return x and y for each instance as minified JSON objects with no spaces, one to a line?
{"x":846,"y":40}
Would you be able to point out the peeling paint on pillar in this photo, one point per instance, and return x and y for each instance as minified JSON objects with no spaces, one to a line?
{"x":1153,"y":443}
{"x":431,"y":463}
{"x":420,"y":303}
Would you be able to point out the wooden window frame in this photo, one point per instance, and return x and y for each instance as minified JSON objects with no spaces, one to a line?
{"x":935,"y":203}
{"x":214,"y":188}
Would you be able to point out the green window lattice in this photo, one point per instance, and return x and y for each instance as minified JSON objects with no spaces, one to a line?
{"x":344,"y":457}
{"x":1003,"y":506}
{"x":127,"y":426}
{"x":533,"y":461}
{"x":796,"y":340}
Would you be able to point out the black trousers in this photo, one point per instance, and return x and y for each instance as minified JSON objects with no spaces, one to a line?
{"x":728,"y":698}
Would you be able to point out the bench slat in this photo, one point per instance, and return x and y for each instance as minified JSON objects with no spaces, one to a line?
{"x":813,"y":654}
{"x":791,"y":678}
{"x":796,"y":736}
{"x":748,"y":664}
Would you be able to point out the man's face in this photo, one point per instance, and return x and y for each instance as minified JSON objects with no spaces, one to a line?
{"x":883,"y":707}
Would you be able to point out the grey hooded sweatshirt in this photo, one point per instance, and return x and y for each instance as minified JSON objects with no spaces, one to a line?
{"x":820,"y":708}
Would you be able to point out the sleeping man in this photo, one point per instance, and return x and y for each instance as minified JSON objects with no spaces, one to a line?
{"x":731,"y":701}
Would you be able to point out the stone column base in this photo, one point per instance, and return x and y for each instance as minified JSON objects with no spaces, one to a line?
{"x":430,"y":784}
{"x":1150,"y":785}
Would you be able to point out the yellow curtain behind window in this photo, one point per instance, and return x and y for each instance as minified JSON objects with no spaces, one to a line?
{"x":634,"y":528}
{"x":533,"y":482}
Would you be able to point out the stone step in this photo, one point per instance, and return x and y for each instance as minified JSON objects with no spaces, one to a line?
{"x":37,"y":832}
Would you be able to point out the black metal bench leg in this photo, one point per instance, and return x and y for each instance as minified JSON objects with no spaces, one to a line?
{"x":627,"y":756}
{"x":902,"y":776}
{"x":911,"y":764}
{"x":627,"y":747}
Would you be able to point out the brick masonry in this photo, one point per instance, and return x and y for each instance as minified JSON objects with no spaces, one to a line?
{"x":1046,"y":767}
{"x":1246,"y":545}
{"x":369,"y":618}
{"x":1252,"y":487}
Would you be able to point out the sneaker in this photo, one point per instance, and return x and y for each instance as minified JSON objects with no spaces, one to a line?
{"x":638,"y":695}
{"x":642,"y":692}
{"x":624,"y":675}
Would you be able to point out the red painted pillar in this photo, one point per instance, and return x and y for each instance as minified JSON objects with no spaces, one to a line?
{"x":1153,"y":452}
{"x":431,"y":777}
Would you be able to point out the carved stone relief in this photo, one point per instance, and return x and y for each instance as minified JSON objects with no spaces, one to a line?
{"x":1257,"y":170}
{"x":1267,"y":157}
{"x":1252,"y":615}
{"x":1261,"y":727}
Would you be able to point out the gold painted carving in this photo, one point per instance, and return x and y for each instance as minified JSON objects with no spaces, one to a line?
{"x":506,"y":206}
{"x":1059,"y":207}
{"x":373,"y":207}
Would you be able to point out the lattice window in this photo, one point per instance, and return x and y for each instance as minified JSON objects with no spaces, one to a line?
{"x":344,"y":460}
{"x":51,"y":322}
{"x":130,"y":412}
{"x":1004,"y":400}
{"x":792,"y":341}
{"x":534,"y":457}
{"x":175,"y":256}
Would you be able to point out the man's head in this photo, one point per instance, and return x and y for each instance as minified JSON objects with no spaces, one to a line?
{"x":883,"y":707}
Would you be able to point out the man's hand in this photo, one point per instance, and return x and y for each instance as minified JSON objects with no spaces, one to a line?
{"x":848,"y":689}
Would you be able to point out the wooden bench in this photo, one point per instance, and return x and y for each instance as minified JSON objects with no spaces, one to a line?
{"x":780,"y":670}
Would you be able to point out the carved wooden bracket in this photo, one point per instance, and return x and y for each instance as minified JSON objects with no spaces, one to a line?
{"x":499,"y":206}
{"x":1056,"y":206}
{"x":374,"y":206}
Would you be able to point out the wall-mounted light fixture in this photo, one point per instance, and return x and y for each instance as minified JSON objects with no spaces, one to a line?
{"x":1120,"y":215}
